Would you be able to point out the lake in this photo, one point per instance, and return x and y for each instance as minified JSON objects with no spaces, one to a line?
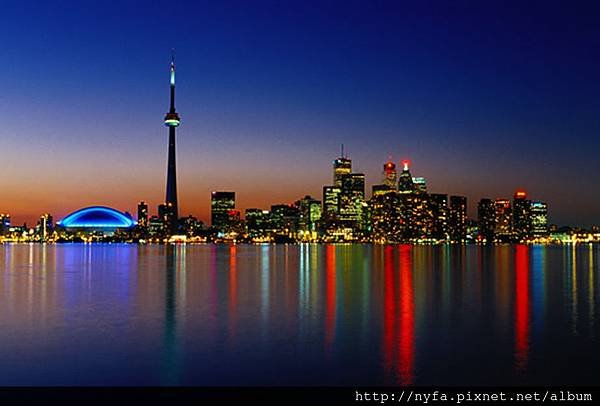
{"x":112,"y":314}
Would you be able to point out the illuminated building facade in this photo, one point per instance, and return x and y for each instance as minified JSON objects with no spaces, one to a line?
{"x":331,"y":203}
{"x":438,"y":206}
{"x":385,"y":215}
{"x":420,"y":184}
{"x":221,"y":203}
{"x":539,"y":219}
{"x":457,"y":218}
{"x":257,"y":223}
{"x":521,"y":215}
{"x":234,"y":227}
{"x":142,"y":216}
{"x":45,"y":227}
{"x":310,"y":215}
{"x":352,"y":197}
{"x":390,"y":175}
{"x":405,"y":181}
{"x":156,"y":227}
{"x":415,"y":218}
{"x":284,"y":221}
{"x":486,"y":219}
{"x":167,"y":214}
{"x":503,"y":220}
{"x":342,"y":166}
{"x":191,"y":226}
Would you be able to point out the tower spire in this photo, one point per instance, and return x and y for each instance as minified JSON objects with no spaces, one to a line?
{"x":172,"y":109}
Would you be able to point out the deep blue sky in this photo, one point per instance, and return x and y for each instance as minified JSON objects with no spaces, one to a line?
{"x":482,"y":97}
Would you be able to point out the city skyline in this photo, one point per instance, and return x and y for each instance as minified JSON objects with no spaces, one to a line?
{"x":267,"y":125}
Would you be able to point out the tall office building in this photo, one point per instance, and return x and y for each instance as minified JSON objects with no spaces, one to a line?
{"x":352,"y":197}
{"x":310,"y":213}
{"x":234,"y":223}
{"x":221,"y":203}
{"x":191,"y":226}
{"x":420,"y":184}
{"x":390,"y":175}
{"x":415,"y":223}
{"x":503,"y":219}
{"x":257,"y":221}
{"x":405,"y":181}
{"x":331,"y":202}
{"x":539,"y":219}
{"x":438,"y":206}
{"x":486,"y":218}
{"x":457,"y":218}
{"x":521,"y":215}
{"x":285,"y":219}
{"x":142,"y":215}
{"x":385,"y":214}
{"x":172,"y":122}
{"x":45,"y":227}
{"x":166,"y":212}
{"x":155,"y":226}
{"x":342,"y":166}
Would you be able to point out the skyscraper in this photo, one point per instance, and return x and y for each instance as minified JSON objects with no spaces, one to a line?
{"x":405,"y":182}
{"x":539,"y":219}
{"x":285,"y":220}
{"x":521,"y":215}
{"x":331,"y":202}
{"x":45,"y":227}
{"x":438,"y":205}
{"x":420,"y":184}
{"x":221,"y":203}
{"x":457,"y":218}
{"x":172,"y":121}
{"x":503,"y":220}
{"x":390,"y":175}
{"x":142,"y":215}
{"x":310,"y":213}
{"x":486,"y":217}
{"x":342,"y":166}
{"x":351,"y":198}
{"x":413,"y":207}
{"x":257,"y":221}
{"x":385,"y":214}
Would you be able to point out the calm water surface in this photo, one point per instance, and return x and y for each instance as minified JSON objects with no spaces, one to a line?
{"x":298,"y":315}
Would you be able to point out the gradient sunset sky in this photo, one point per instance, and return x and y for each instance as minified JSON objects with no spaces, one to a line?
{"x":482,"y":98}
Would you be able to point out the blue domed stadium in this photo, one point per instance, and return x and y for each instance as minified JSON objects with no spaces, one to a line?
{"x":97,"y":218}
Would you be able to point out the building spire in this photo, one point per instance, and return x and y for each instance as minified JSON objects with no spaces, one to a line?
{"x":172,"y":110}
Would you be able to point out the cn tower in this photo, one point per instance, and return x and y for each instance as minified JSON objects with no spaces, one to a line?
{"x":172,"y":121}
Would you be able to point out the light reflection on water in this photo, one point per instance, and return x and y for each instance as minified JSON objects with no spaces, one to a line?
{"x":298,"y":314}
